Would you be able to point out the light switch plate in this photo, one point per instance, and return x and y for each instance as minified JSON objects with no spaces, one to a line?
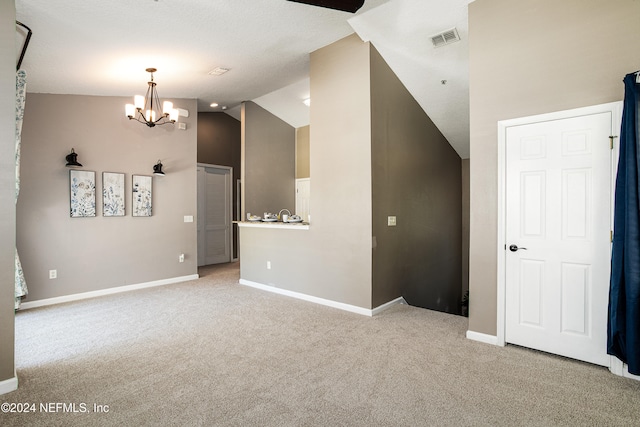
{"x":391,"y":221}
{"x":188,"y":218}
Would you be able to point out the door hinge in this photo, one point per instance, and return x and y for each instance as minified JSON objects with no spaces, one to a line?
{"x":611,"y":138}
{"x":611,"y":235}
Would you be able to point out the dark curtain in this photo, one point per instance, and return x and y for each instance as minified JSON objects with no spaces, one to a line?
{"x":623,"y":332}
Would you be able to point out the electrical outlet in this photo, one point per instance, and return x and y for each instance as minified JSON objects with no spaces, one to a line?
{"x":181,"y":258}
{"x":391,"y":221}
{"x":268,"y":265}
{"x":53,"y":274}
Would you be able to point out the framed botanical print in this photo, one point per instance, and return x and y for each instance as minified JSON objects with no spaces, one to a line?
{"x":141,"y":195}
{"x":82,"y":193}
{"x":112,"y":194}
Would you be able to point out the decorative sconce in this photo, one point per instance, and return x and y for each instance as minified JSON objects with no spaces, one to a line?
{"x":72,"y":160}
{"x":157,"y":169}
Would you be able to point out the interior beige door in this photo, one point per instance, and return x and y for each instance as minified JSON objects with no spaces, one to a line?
{"x":558,"y":192}
{"x":214,"y":215}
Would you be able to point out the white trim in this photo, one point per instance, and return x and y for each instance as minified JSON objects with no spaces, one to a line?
{"x":379,"y":309}
{"x":487,"y":339}
{"x":278,"y":225}
{"x":322,"y":301}
{"x":108,"y":291}
{"x":7,"y":386}
{"x":615,"y":108}
{"x":621,"y":369}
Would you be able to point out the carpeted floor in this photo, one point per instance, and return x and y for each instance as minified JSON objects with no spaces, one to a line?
{"x":212,"y":352}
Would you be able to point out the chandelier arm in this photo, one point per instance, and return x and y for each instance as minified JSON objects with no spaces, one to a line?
{"x":138,"y":120}
{"x":152,"y":107}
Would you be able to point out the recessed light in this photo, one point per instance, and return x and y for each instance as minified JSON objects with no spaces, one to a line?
{"x":218,"y":71}
{"x":213,"y":104}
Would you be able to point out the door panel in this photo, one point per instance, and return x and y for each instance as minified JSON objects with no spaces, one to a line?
{"x":214,"y":215}
{"x":558,"y":215}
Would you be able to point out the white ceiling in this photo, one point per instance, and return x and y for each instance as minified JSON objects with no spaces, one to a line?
{"x":102,"y":48}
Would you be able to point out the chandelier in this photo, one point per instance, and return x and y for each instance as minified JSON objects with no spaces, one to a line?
{"x":146,"y":109}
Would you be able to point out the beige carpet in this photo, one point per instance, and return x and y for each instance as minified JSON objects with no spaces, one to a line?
{"x":212,"y":352}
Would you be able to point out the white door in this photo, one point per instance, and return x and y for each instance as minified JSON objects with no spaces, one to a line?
{"x":558,"y":207}
{"x":214,"y":215}
{"x":303,"y":197}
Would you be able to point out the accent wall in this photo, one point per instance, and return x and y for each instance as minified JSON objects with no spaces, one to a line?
{"x":417,"y":178}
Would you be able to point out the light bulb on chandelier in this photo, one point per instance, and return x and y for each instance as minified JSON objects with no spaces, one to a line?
{"x":146,"y":109}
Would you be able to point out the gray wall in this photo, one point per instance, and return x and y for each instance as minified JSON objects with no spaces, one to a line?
{"x":268,"y":144}
{"x":416,"y":177}
{"x":302,"y":152}
{"x":531,"y":57}
{"x":102,"y":252}
{"x":465,"y":225}
{"x":7,"y":185}
{"x":219,"y":144}
{"x":332,"y":259}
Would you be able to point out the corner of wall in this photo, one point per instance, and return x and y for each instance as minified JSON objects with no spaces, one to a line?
{"x":7,"y":188}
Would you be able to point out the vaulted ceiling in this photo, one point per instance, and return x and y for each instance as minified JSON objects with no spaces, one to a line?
{"x":103,"y":48}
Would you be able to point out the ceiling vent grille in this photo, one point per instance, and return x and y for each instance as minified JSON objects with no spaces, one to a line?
{"x":445,"y":37}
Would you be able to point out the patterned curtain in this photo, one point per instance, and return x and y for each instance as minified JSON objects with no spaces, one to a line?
{"x":21,"y":91}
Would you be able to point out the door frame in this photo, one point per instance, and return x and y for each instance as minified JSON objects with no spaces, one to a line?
{"x":230,"y":207}
{"x":308,"y":179}
{"x":615,"y":108}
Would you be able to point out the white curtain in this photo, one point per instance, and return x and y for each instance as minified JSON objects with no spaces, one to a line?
{"x":21,"y":92}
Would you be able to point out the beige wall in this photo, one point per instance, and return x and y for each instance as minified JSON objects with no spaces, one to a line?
{"x":302,"y":152}
{"x":268,"y":159}
{"x":332,"y":260}
{"x":416,"y":178}
{"x":102,"y":252}
{"x":7,"y":185}
{"x":530,"y":57}
{"x":340,"y":153}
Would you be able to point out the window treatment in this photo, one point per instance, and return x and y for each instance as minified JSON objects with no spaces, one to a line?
{"x":623,"y":332}
{"x":21,"y":91}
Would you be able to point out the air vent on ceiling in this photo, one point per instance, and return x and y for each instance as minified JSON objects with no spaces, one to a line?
{"x":445,"y":37}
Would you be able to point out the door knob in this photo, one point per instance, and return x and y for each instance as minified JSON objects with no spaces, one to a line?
{"x":514,"y":248}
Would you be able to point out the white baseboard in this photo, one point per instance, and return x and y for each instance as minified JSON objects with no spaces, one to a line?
{"x":322,"y":301}
{"x":379,"y":309}
{"x":487,"y":339}
{"x":618,"y":368}
{"x":7,"y":386}
{"x":108,"y":291}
